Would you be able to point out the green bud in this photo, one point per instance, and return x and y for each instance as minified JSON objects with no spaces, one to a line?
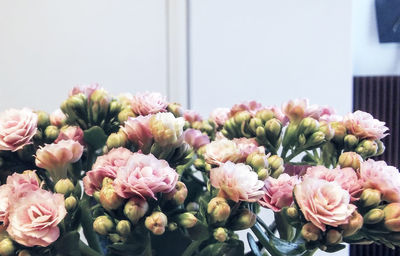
{"x":109,"y":199}
{"x":64,"y":186}
{"x":381,"y":148}
{"x":176,"y":109}
{"x":374,"y":216}
{"x":192,"y":207}
{"x":241,"y":117}
{"x":392,"y":217}
{"x":301,"y":140}
{"x":38,"y":135}
{"x":350,"y":141}
{"x":103,"y":225}
{"x":125,"y":114}
{"x":315,"y":140}
{"x":24,"y":253}
{"x":220,"y":234}
{"x":43,"y":119}
{"x":116,"y":140}
{"x":273,"y":129}
{"x":262,"y":174}
{"x":350,"y":159}
{"x":370,"y":198}
{"x":243,"y":219}
{"x":96,"y":196}
{"x":187,"y":220}
{"x":254,"y":123}
{"x":292,"y":213}
{"x":124,"y":228}
{"x":275,"y":162}
{"x":290,"y":137}
{"x":308,"y":126}
{"x":310,"y":232}
{"x":172,"y":226}
{"x":257,"y":160}
{"x":367,"y":148}
{"x":327,"y":129}
{"x":51,"y":133}
{"x":115,"y":108}
{"x":265,"y":114}
{"x":355,"y":223}
{"x":340,"y":132}
{"x":199,"y":163}
{"x":218,"y":209}
{"x":99,"y":101}
{"x":180,"y":194}
{"x":260,"y":133}
{"x":135,"y":209}
{"x":115,"y":238}
{"x":70,"y":203}
{"x":7,"y":247}
{"x":333,"y":237}
{"x":156,"y":223}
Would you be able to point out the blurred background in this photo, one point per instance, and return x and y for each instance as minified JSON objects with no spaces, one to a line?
{"x":203,"y":53}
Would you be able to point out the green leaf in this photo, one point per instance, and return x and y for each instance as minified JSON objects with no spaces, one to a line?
{"x":230,"y":248}
{"x":335,"y":248}
{"x":95,"y":137}
{"x":68,"y":244}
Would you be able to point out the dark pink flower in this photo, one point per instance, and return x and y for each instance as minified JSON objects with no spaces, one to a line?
{"x":195,"y":138}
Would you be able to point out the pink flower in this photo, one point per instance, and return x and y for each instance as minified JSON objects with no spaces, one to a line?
{"x":74,"y":133}
{"x":148,"y":103}
{"x":221,"y":151}
{"x":253,"y":107}
{"x":323,"y":202}
{"x":346,"y":178}
{"x":56,"y":156}
{"x":295,"y":109}
{"x":220,"y":116}
{"x":137,"y":130}
{"x":247,"y":146}
{"x":34,"y":218}
{"x":144,"y":176}
{"x":105,"y":166}
{"x":279,"y":114}
{"x":299,"y":170}
{"x":364,"y":126}
{"x":378,"y":175}
{"x":5,"y":193}
{"x":195,"y":138}
{"x":278,"y":193}
{"x":87,"y":89}
{"x":237,"y":182}
{"x":17,"y":128}
{"x":192,"y":116}
{"x":57,"y":118}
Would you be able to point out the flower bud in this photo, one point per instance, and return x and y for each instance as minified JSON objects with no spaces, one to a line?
{"x":199,"y":163}
{"x":156,"y":223}
{"x":333,"y":237}
{"x":350,"y":141}
{"x":114,"y":238}
{"x":301,"y":140}
{"x":7,"y":247}
{"x":241,"y":117}
{"x":99,"y":101}
{"x":70,"y":203}
{"x":350,"y":159}
{"x":367,"y":148}
{"x":96,"y":196}
{"x":327,"y":129}
{"x":290,"y":137}
{"x":109,"y":199}
{"x":310,"y":232}
{"x":24,"y":253}
{"x":172,"y":226}
{"x":260,"y":133}
{"x":187,"y":220}
{"x":257,"y":160}
{"x":135,"y":209}
{"x":51,"y":133}
{"x":374,"y":216}
{"x":262,"y":174}
{"x":123,"y":228}
{"x":392,"y":217}
{"x":340,"y":132}
{"x":243,"y":219}
{"x":275,"y":162}
{"x":103,"y":225}
{"x":43,"y":119}
{"x":265,"y":114}
{"x":115,"y":108}
{"x":308,"y":126}
{"x":355,"y":223}
{"x":273,"y":129}
{"x":125,"y":114}
{"x":218,"y":209}
{"x":292,"y":213}
{"x":181,"y":193}
{"x":176,"y":109}
{"x":64,"y":186}
{"x":315,"y":140}
{"x":255,"y":123}
{"x":116,"y":140}
{"x":370,"y":197}
{"x":192,"y":207}
{"x":220,"y":234}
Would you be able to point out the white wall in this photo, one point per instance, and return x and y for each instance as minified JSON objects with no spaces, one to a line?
{"x":369,"y":56}
{"x":48,"y":46}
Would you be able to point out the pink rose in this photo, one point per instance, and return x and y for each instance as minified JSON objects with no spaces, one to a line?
{"x":323,"y":202}
{"x":220,"y":116}
{"x":278,"y":193}
{"x":247,"y":146}
{"x":56,"y":156}
{"x":144,"y":176}
{"x":364,"y":126}
{"x":221,"y":151}
{"x":33,"y":219}
{"x":57,"y":118}
{"x":253,"y":107}
{"x":237,"y":182}
{"x":105,"y":166}
{"x":346,"y":178}
{"x":74,"y":133}
{"x":378,"y":175}
{"x":148,"y":103}
{"x":5,"y":193}
{"x":195,"y":138}
{"x":17,"y":128}
{"x":192,"y":116}
{"x":87,"y":89}
{"x":137,"y":130}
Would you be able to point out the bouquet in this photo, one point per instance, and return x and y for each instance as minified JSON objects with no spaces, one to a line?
{"x":138,"y":175}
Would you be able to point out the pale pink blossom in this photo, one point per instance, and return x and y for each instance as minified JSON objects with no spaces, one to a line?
{"x":148,"y":103}
{"x":87,"y":89}
{"x":279,"y":114}
{"x":192,"y":116}
{"x":220,"y":115}
{"x":221,"y":151}
{"x":378,"y":175}
{"x":105,"y":166}
{"x":346,"y":178}
{"x":237,"y":182}
{"x":17,"y":128}
{"x":167,"y":129}
{"x":364,"y":126}
{"x":278,"y":193}
{"x":57,"y":118}
{"x":74,"y":133}
{"x":137,"y":129}
{"x":323,"y":202}
{"x":295,"y":109}
{"x":251,"y":106}
{"x":5,"y":193}
{"x":195,"y":138}
{"x":56,"y":157}
{"x":144,"y":176}
{"x":33,"y":219}
{"x":247,"y":146}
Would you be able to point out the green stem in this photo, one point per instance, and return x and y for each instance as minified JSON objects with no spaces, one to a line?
{"x":86,"y":250}
{"x":293,"y":155}
{"x":87,"y":224}
{"x":265,"y":241}
{"x":309,"y":252}
{"x":192,"y":248}
{"x":284,"y":229}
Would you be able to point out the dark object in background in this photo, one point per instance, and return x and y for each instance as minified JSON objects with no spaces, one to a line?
{"x":388,"y":18}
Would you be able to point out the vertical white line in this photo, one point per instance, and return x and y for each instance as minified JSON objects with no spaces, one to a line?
{"x":167,"y":49}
